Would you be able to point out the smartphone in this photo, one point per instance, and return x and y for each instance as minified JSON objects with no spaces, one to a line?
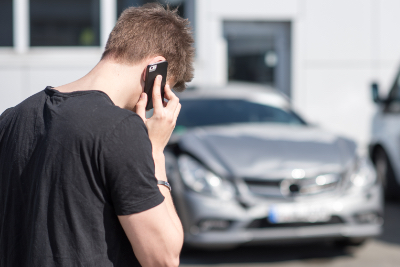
{"x":152,"y":70}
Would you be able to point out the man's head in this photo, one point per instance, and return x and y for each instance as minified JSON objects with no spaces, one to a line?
{"x":151,"y":30}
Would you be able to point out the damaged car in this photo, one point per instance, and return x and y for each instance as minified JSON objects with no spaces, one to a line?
{"x":246,"y":169}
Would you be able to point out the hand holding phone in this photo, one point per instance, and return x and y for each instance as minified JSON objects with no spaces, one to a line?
{"x":161,"y":124}
{"x":152,"y":70}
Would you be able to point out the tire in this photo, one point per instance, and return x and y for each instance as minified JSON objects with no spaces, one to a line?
{"x":386,"y":174}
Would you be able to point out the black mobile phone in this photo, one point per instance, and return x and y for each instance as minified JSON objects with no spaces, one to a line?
{"x":152,"y":70}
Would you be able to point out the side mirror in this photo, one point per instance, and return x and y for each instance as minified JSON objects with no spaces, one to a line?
{"x":375,"y":92}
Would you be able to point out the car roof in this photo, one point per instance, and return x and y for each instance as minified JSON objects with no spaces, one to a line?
{"x":256,"y":93}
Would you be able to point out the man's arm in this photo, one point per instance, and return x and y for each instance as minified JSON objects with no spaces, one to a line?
{"x":156,"y":235}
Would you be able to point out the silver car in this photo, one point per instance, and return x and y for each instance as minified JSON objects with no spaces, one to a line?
{"x":246,"y":169}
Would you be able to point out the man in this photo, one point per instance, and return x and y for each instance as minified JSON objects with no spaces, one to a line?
{"x":79,"y":168}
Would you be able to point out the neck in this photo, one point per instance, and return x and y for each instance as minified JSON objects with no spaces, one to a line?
{"x":121,"y":82}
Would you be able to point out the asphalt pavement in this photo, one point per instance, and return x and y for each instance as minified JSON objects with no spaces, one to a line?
{"x":383,"y":251}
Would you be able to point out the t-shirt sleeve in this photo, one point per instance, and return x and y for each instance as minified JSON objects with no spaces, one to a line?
{"x":127,"y":164}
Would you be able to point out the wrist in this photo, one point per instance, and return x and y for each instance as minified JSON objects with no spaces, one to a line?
{"x":164,"y":183}
{"x":159,"y":164}
{"x":158,"y":155}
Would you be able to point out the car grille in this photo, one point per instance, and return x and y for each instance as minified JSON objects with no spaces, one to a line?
{"x":289,"y":188}
{"x":264,"y":223}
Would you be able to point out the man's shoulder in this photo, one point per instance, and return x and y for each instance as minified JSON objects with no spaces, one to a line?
{"x":26,"y":110}
{"x":25,"y":105}
{"x":6,"y":113}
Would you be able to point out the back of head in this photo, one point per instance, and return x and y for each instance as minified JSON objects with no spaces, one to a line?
{"x":152,"y":30}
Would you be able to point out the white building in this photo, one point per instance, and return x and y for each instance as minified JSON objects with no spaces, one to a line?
{"x":322,"y":53}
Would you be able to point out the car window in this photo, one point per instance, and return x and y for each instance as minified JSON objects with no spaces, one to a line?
{"x":398,"y":81}
{"x":394,"y":94}
{"x":201,"y":112}
{"x":393,"y":105}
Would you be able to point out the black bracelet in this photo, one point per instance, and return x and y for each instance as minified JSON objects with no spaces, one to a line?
{"x":164,"y":183}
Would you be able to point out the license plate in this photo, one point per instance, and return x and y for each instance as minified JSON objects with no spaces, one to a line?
{"x":298,"y":212}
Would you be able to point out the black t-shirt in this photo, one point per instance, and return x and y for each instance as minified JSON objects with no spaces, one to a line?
{"x":69,"y":164}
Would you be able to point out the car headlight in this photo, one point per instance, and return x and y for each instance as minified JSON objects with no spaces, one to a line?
{"x":364,"y":174}
{"x":201,"y":180}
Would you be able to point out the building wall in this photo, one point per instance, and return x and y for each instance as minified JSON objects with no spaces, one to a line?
{"x":346,"y":45}
{"x":338,"y":48}
{"x":22,"y":75}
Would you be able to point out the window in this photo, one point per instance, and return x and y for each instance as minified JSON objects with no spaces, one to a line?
{"x":227,"y":111}
{"x":394,"y":94}
{"x":180,"y":4}
{"x":68,"y":22}
{"x":64,"y":23}
{"x":186,"y":8}
{"x":259,"y":52}
{"x":393,"y":104}
{"x":6,"y":22}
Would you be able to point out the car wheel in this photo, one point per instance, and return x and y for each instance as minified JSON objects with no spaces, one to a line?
{"x":386,"y":174}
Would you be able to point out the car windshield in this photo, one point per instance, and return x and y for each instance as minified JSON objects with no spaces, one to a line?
{"x":394,"y":94}
{"x":202,"y":112}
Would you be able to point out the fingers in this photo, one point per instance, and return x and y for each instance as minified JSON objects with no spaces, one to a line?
{"x":157,"y":101}
{"x":177,"y":110}
{"x":141,"y":106}
{"x":172,"y":107}
{"x":173,"y":100}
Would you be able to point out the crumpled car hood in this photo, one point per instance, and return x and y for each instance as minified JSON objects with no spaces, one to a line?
{"x":268,"y":150}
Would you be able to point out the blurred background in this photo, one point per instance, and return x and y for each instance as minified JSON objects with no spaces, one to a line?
{"x":322,"y":54}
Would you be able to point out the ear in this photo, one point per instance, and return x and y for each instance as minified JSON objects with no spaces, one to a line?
{"x":144,"y":74}
{"x":152,"y":60}
{"x":156,"y":59}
